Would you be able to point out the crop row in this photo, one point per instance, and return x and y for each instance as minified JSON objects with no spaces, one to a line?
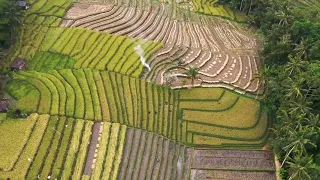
{"x":107,"y":96}
{"x":28,"y":152}
{"x":96,"y":50}
{"x":214,"y":69}
{"x":205,"y":116}
{"x":29,"y":40}
{"x":222,"y":121}
{"x":232,"y":174}
{"x":109,"y":151}
{"x":150,"y":156}
{"x":46,"y":12}
{"x":217,"y":159}
{"x":13,"y":146}
{"x":232,"y":164}
{"x":46,"y":61}
{"x":62,"y":151}
{"x":211,"y":44}
{"x":161,"y":23}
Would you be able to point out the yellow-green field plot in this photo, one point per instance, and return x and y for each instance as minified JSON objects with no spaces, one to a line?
{"x":100,"y":96}
{"x":65,"y":48}
{"x":214,"y":117}
{"x":16,"y":165}
{"x":57,"y":147}
{"x":197,"y":116}
{"x":14,"y":135}
{"x":46,"y":12}
{"x":211,"y":8}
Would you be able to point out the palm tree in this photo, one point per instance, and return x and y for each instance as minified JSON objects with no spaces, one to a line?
{"x":313,"y":122}
{"x":283,"y":18}
{"x":298,"y":139}
{"x":302,"y":47}
{"x":283,"y":15}
{"x":295,"y":64}
{"x":294,"y":89}
{"x":192,"y":73}
{"x":299,"y":107}
{"x":300,"y":167}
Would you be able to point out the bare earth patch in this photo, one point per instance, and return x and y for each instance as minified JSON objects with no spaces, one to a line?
{"x":225,"y":53}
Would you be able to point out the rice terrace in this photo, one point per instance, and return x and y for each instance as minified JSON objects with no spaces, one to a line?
{"x":135,"y":89}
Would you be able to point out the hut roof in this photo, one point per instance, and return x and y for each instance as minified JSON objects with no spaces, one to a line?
{"x":22,"y":3}
{"x":4,"y":105}
{"x":18,"y":63}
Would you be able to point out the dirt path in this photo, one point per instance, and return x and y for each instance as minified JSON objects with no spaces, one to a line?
{"x":92,"y":148}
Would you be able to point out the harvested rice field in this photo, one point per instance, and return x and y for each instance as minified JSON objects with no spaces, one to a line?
{"x":108,"y":93}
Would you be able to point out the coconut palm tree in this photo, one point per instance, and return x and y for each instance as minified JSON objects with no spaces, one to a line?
{"x":192,"y":73}
{"x":295,"y":64}
{"x":299,"y":107}
{"x":313,"y":122}
{"x":302,"y":47}
{"x":283,"y":15}
{"x":298,"y":139}
{"x":293,"y":89}
{"x":300,"y":167}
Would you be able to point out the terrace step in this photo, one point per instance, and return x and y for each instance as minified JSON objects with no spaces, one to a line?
{"x":150,"y":156}
{"x":232,"y":164}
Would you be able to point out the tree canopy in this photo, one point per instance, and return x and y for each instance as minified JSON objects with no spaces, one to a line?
{"x":291,"y":52}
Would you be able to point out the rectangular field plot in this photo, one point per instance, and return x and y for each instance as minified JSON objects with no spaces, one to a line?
{"x":232,"y":164}
{"x":233,"y":159}
{"x":150,"y":156}
{"x":229,"y":174}
{"x":18,"y":167}
{"x":11,"y":146}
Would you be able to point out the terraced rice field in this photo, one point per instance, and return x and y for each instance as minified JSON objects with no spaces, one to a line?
{"x":211,"y":117}
{"x":150,"y":156}
{"x":225,"y":55}
{"x":198,"y":117}
{"x":100,"y":106}
{"x":47,"y":13}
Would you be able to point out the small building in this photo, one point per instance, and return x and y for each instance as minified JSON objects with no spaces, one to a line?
{"x":18,"y":64}
{"x":23,"y":4}
{"x":4,"y":105}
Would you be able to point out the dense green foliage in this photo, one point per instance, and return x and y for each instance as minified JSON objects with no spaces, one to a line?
{"x":10,"y":15}
{"x":291,"y":52}
{"x":76,"y":76}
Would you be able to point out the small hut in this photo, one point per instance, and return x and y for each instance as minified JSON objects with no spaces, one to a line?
{"x":18,"y":64}
{"x":23,"y":4}
{"x":4,"y":105}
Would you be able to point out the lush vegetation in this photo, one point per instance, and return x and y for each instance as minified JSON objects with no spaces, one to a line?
{"x":291,"y":52}
{"x":11,"y":146}
{"x":21,"y":163}
{"x":10,"y":15}
{"x":77,"y":78}
{"x":211,"y":117}
{"x":217,"y":8}
{"x":106,"y":96}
